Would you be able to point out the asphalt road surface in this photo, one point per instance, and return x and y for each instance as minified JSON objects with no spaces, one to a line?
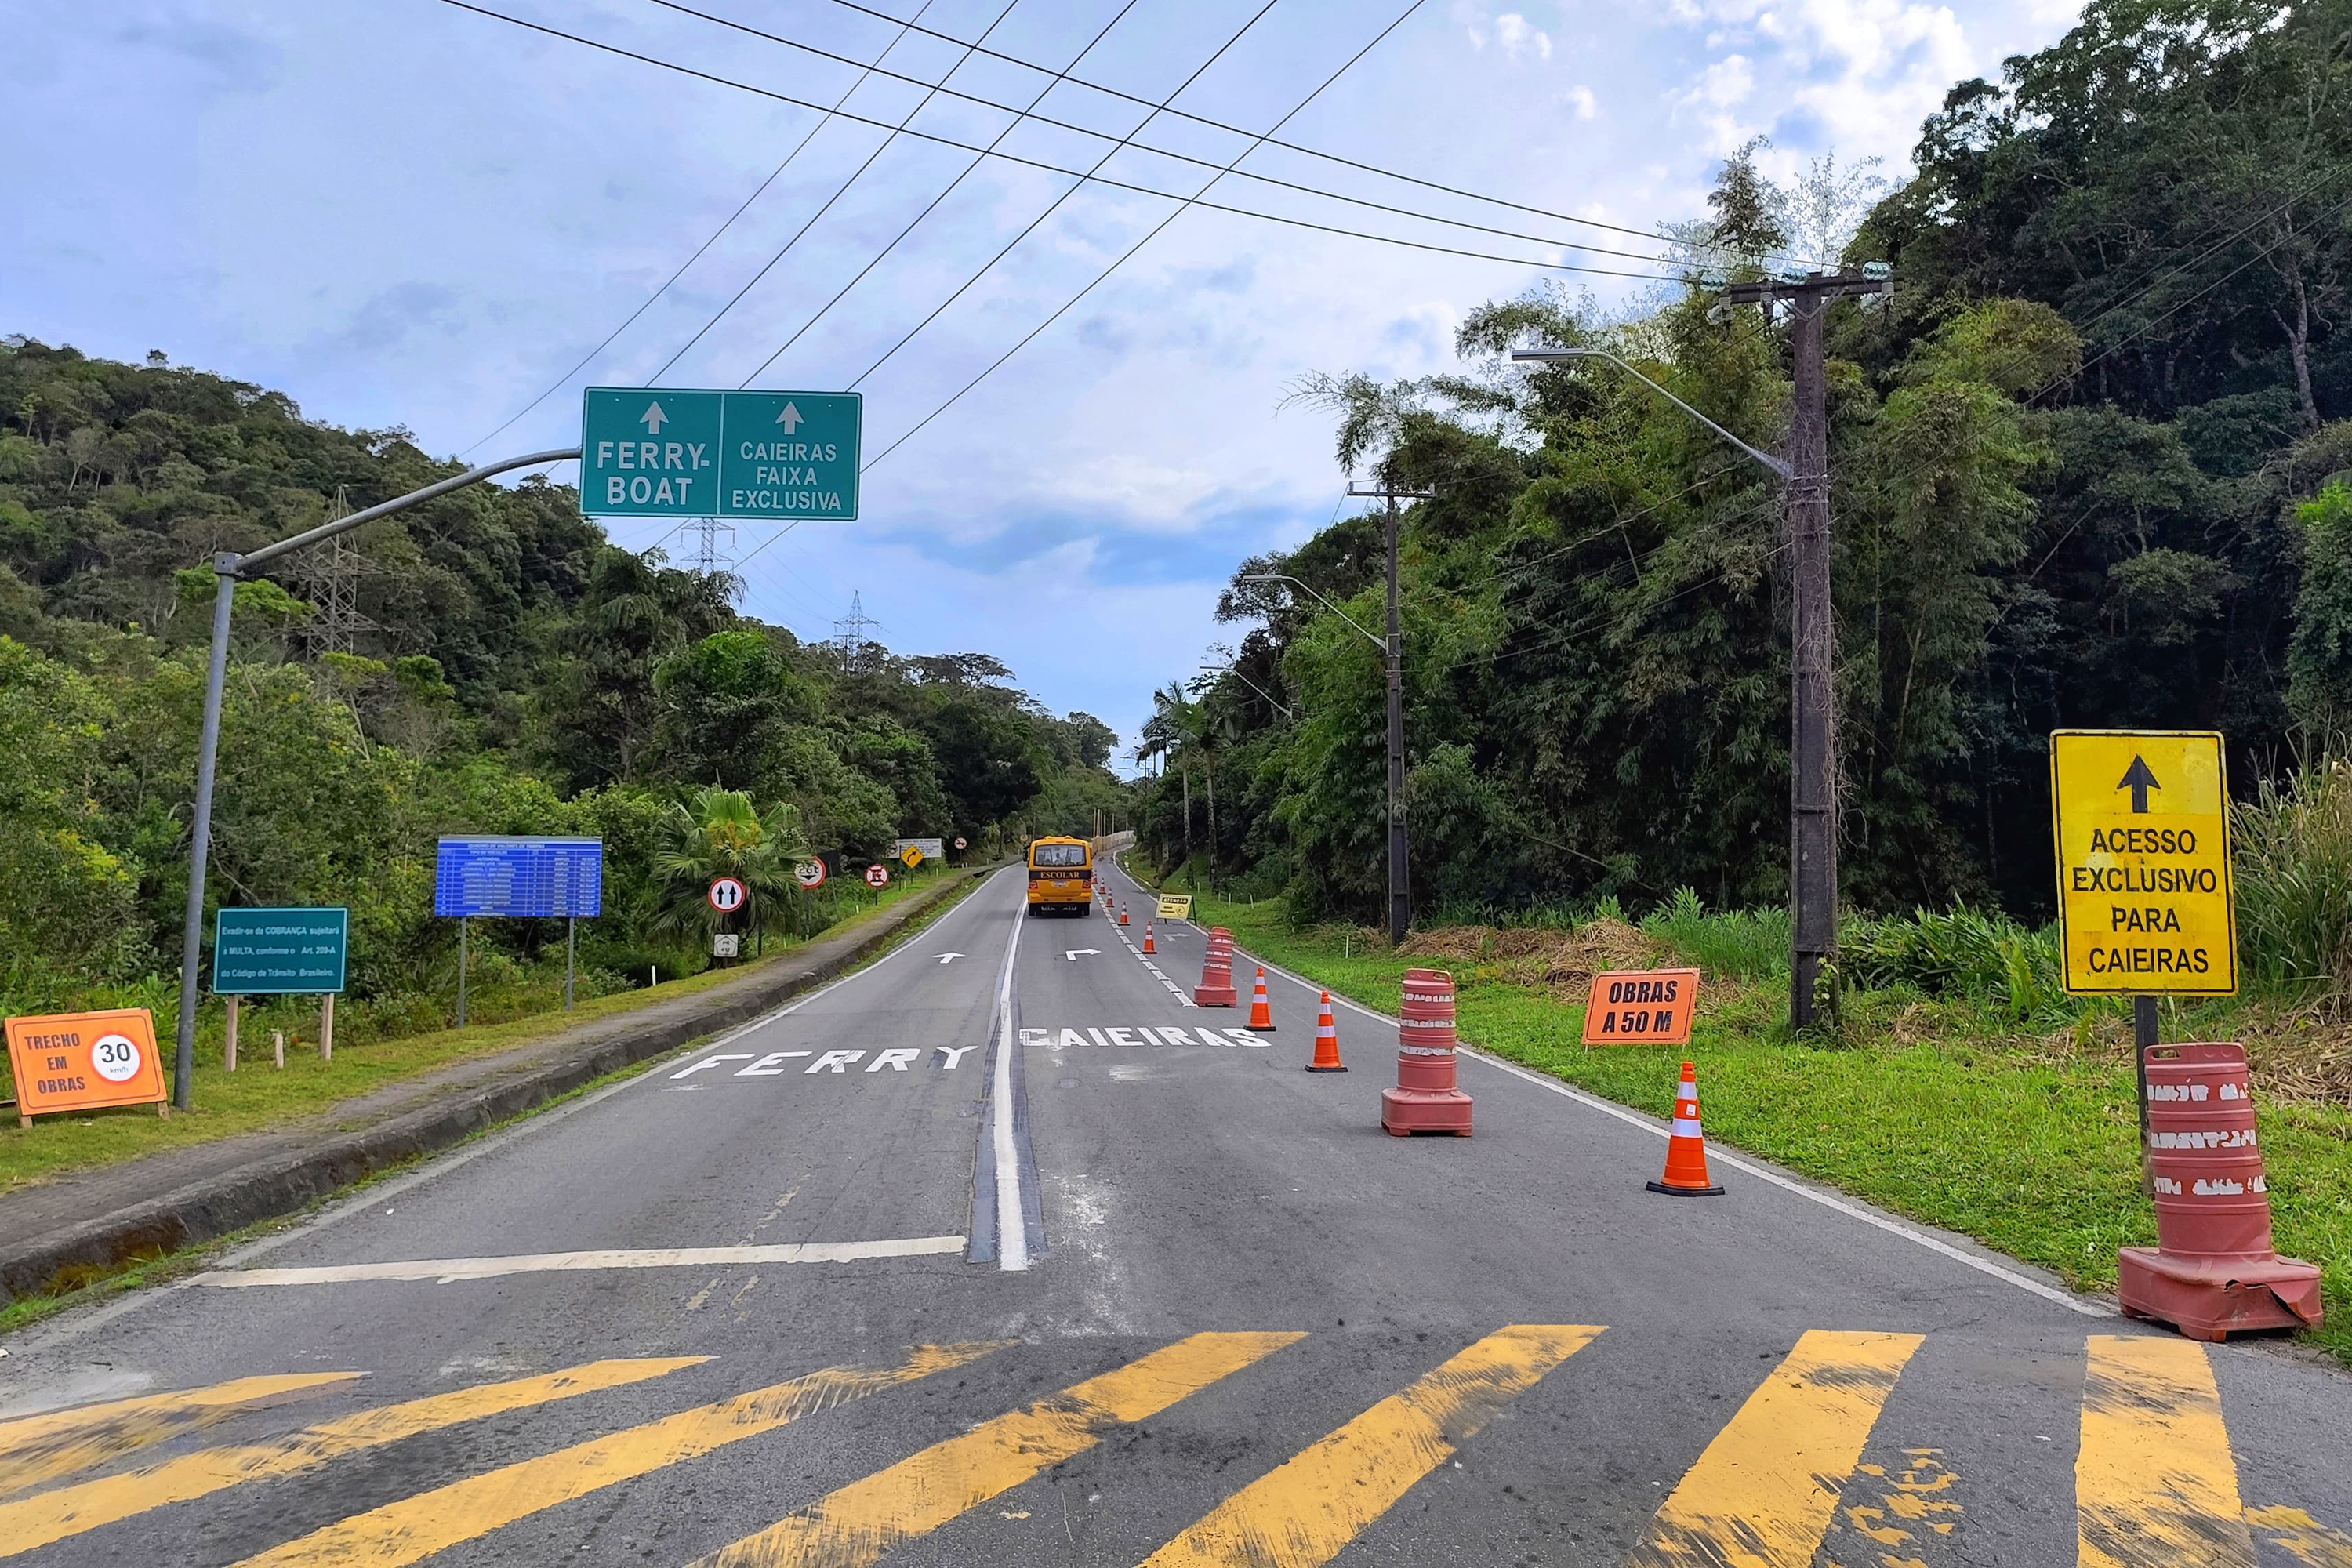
{"x":1001,"y":1252}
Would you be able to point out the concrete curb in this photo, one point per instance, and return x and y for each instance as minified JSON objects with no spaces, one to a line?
{"x":279,"y":1185}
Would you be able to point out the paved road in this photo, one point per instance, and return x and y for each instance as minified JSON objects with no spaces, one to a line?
{"x":1014,"y":1257}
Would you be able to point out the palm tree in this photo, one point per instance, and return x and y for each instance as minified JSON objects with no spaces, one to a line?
{"x":719,"y":833}
{"x":1173,"y":733}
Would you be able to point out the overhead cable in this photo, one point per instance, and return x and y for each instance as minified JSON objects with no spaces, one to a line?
{"x":589,"y":358}
{"x":1002,"y":157}
{"x":1063,"y":76}
{"x":1151,"y":234}
{"x":843,"y":189}
{"x":1304,"y":151}
{"x":930,"y":206}
{"x":1055,"y":205}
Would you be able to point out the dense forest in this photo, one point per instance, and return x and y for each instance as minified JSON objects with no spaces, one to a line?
{"x":2090,"y":467}
{"x":499,"y":668}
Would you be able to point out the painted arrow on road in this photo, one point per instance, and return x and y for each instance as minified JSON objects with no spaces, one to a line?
{"x":947,"y":957}
{"x":1075,"y":953}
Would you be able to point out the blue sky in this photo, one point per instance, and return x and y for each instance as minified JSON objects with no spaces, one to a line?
{"x":404,"y":213}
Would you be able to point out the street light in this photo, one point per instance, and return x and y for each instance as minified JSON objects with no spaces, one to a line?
{"x":1280,"y":577}
{"x":1253,"y":686}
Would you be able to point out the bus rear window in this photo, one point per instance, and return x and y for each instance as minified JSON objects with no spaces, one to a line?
{"x":1058,"y":855}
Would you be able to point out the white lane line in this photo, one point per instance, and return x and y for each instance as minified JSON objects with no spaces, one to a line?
{"x":1892,"y":1227}
{"x":1012,"y":1238}
{"x":1183,"y":998}
{"x":444,"y":1270}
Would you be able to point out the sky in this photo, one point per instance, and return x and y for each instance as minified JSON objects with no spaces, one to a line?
{"x":412,"y":214}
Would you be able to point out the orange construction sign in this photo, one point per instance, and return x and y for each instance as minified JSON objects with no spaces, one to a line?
{"x":81,"y":1061}
{"x":1640,"y":1008}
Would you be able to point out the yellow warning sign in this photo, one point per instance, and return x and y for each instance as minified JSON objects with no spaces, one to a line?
{"x":2141,"y":821}
{"x":910,"y":856}
{"x":1175,"y":907}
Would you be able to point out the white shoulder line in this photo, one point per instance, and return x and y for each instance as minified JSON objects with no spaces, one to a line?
{"x":443,"y":1270}
{"x":1892,"y":1227}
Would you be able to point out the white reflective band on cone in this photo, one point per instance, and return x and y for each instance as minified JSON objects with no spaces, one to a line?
{"x":1687,"y":1127}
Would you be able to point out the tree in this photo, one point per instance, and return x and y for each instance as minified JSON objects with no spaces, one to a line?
{"x":719,"y":833}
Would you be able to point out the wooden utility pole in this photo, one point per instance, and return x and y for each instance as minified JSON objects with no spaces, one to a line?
{"x":1812,"y":634}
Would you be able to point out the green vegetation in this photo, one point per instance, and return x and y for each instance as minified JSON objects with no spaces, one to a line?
{"x":1939,"y":1102}
{"x":508,"y":671}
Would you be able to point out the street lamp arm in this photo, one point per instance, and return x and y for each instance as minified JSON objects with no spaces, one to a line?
{"x":1253,"y":686}
{"x":326,"y":530}
{"x":1548,"y":356}
{"x":1282,"y":577}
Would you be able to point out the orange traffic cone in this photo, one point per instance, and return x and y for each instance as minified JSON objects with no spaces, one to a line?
{"x":1326,"y":1041}
{"x":1122,"y":915}
{"x":1147,"y":938}
{"x":1685,"y":1174}
{"x":1261,"y":1015}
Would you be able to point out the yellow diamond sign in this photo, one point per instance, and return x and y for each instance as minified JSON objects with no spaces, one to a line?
{"x":2141,"y":822}
{"x":910,"y":856}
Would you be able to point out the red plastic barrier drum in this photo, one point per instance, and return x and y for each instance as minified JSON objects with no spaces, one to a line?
{"x":1425,"y":1098}
{"x":2212,"y":1272}
{"x":1216,"y":987}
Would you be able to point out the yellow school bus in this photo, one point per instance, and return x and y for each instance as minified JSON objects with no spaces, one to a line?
{"x":1061,"y":876}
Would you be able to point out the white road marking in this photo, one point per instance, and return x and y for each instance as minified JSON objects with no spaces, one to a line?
{"x":1892,"y":1227}
{"x":769,"y":1065}
{"x":1012,"y":1235}
{"x":444,"y":1270}
{"x":954,"y":1055}
{"x":833,"y":1061}
{"x":947,"y":957}
{"x":1075,"y":953}
{"x":897,"y":1059}
{"x":712,"y":1062}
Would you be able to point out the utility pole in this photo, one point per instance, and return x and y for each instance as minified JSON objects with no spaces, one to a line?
{"x":1400,"y":887}
{"x":1813,"y":636}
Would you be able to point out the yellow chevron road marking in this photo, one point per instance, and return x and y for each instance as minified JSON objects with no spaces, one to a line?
{"x":857,"y":1525}
{"x":2154,"y":1480}
{"x":1304,"y":1512}
{"x":1764,"y":1491}
{"x":416,"y":1528}
{"x":51,"y":1516}
{"x":38,"y":1448}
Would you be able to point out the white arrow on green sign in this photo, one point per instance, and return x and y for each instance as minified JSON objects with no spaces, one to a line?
{"x":647,"y":451}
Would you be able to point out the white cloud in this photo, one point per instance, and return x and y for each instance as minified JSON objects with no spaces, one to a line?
{"x":1520,"y":36}
{"x":1579,"y":98}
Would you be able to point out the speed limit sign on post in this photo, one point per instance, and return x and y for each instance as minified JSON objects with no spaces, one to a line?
{"x":878,"y":876}
{"x":809,"y":873}
{"x":725,"y":894}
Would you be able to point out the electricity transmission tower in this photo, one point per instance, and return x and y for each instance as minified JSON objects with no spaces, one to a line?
{"x":330,"y":580}
{"x":710,"y":556}
{"x":860,"y":653}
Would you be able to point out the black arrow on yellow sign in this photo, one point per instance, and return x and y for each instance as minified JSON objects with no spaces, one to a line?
{"x":2139,"y":781}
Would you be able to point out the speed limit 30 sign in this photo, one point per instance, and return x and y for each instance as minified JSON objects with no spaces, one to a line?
{"x":81,"y":1061}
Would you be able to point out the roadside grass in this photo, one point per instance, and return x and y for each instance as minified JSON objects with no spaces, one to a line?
{"x":1939,"y":1108}
{"x":258,"y":1096}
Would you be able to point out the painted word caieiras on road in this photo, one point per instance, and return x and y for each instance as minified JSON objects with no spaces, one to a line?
{"x":2141,"y":822}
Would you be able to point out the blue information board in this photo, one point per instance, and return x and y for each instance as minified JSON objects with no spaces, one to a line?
{"x":531,"y":878}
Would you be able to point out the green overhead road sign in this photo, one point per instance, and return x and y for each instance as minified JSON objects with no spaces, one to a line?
{"x":648,"y":451}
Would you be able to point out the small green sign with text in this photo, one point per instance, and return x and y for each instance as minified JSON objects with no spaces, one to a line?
{"x":649,"y":451}
{"x":292,"y":952}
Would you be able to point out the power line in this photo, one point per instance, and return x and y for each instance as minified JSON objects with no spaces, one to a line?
{"x":1305,"y":150}
{"x":1140,"y":244}
{"x":1055,"y":205}
{"x":773,"y":174}
{"x":930,"y":206}
{"x":841,"y":191}
{"x":1057,"y":77}
{"x":1002,"y":157}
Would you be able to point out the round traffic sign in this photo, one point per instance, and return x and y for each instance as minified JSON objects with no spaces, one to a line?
{"x":809,"y":873}
{"x":116,"y":1057}
{"x":959,"y":843}
{"x":725,"y":894}
{"x":878,"y":876}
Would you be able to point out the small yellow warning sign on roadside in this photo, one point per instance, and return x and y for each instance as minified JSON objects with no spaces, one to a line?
{"x":1175,"y":907}
{"x":910,"y":856}
{"x":2141,"y":822}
